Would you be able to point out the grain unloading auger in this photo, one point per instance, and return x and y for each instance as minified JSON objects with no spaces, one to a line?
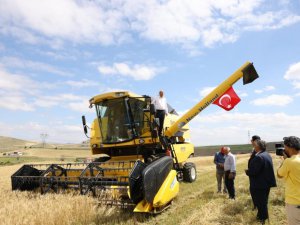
{"x":135,"y":166}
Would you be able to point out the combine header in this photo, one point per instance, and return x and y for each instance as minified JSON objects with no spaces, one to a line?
{"x":136,"y":167}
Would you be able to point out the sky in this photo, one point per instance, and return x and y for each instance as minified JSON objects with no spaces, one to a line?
{"x":55,"y":55}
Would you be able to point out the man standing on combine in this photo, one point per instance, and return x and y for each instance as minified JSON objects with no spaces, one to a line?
{"x":219,"y":161}
{"x":230,"y":172}
{"x":160,"y":103}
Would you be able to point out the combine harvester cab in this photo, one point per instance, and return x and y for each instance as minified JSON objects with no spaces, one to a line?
{"x":136,"y":167}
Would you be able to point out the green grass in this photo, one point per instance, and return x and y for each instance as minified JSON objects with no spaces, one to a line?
{"x":17,"y":160}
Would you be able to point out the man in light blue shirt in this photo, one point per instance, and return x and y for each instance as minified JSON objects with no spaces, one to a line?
{"x":230,"y":172}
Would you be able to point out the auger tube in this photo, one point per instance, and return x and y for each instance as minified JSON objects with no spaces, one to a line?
{"x":247,"y":71}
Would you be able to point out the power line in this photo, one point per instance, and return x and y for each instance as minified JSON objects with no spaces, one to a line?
{"x":44,"y":137}
{"x":248,"y":136}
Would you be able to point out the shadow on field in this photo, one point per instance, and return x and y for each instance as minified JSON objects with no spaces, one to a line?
{"x":236,"y":212}
{"x":122,"y":216}
{"x":208,"y":194}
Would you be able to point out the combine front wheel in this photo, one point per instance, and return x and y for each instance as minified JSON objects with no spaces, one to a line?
{"x":189,"y":172}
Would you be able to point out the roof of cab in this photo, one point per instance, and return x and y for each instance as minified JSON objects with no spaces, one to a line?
{"x":113,"y":95}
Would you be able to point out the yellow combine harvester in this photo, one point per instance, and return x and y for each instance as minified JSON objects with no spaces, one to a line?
{"x":137,"y":167}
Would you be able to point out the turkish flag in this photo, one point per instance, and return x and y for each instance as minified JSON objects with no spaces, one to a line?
{"x":228,"y":100}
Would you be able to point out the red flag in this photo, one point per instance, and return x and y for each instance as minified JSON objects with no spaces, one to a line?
{"x":228,"y":100}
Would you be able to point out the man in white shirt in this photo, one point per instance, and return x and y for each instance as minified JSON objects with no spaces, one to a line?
{"x":161,"y":106}
{"x":230,"y":172}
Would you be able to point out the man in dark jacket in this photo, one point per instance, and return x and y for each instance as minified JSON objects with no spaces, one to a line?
{"x":253,"y":153}
{"x":262,"y":178}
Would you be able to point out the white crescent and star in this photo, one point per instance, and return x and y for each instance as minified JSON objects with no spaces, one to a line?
{"x":225,"y":96}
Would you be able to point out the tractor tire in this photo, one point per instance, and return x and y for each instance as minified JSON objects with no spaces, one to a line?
{"x":189,"y":172}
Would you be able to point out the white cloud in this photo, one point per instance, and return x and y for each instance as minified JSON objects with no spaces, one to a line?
{"x":81,"y":106}
{"x":77,"y":21}
{"x":207,"y":22}
{"x":293,"y":72}
{"x":54,"y":100}
{"x":18,"y":92}
{"x":13,"y":62}
{"x":268,"y":20}
{"x":46,"y":102}
{"x":296,"y":84}
{"x":275,"y":100}
{"x":206,"y":90}
{"x":69,"y":101}
{"x":14,"y":102}
{"x":188,"y":23}
{"x":136,"y":71}
{"x":243,"y":94}
{"x":232,"y":127}
{"x":16,"y":82}
{"x":15,"y":91}
{"x":2,"y":47}
{"x":266,"y":88}
{"x":269,"y":88}
{"x":81,"y":84}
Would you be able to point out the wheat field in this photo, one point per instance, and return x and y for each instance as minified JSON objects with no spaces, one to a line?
{"x":197,"y":203}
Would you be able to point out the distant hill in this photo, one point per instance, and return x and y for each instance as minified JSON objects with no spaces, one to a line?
{"x":11,"y":144}
{"x":236,"y":149}
{"x":60,"y":146}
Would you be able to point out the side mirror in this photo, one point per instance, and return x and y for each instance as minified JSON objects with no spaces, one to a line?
{"x":152,"y":109}
{"x":84,"y":125}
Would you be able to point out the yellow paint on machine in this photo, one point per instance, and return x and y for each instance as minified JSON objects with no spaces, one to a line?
{"x":143,"y":206}
{"x":168,"y":190}
{"x":166,"y":193}
{"x":183,"y":151}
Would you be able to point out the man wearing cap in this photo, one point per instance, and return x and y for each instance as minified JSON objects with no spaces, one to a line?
{"x":290,"y":171}
{"x":219,"y":161}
